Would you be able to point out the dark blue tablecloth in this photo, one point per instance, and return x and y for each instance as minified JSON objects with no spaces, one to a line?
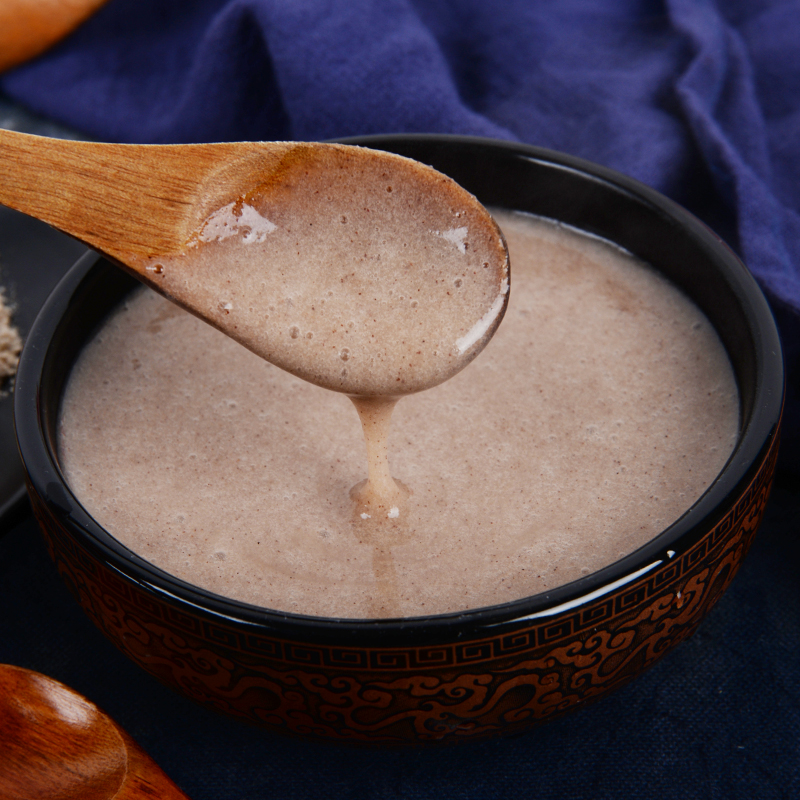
{"x":700,"y":99}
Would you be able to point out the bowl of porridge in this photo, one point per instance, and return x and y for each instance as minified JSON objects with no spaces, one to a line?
{"x":579,"y":496}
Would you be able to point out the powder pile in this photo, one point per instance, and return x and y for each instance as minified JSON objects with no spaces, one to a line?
{"x":10,"y":342}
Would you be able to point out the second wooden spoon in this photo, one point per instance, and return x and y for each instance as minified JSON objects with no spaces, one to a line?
{"x":56,"y":745}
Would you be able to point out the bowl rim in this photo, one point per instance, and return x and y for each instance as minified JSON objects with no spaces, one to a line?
{"x":45,"y":477}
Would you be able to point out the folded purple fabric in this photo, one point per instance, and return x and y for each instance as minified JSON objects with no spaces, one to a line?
{"x":700,"y":99}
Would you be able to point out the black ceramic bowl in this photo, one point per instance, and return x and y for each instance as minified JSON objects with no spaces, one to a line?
{"x":452,"y":676}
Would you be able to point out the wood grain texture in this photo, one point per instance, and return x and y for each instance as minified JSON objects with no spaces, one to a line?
{"x":29,"y":27}
{"x":129,"y":201}
{"x":56,"y":744}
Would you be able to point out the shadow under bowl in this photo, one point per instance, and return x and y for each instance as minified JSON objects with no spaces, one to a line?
{"x":449,"y":677}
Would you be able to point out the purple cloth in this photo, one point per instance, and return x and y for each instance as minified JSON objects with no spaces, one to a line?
{"x":700,"y":99}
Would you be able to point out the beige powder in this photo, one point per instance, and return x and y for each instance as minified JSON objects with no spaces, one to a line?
{"x":601,"y":410}
{"x":10,"y":343}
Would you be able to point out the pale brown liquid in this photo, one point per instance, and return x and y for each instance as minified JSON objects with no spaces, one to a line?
{"x":367,"y":281}
{"x":379,"y":497}
{"x":601,"y":410}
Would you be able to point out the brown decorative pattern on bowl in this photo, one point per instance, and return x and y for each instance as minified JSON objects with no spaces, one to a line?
{"x":450,"y":677}
{"x":529,"y":673}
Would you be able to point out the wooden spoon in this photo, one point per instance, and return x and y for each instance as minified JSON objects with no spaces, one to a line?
{"x":358,"y":270}
{"x":56,"y":744}
{"x":29,"y":27}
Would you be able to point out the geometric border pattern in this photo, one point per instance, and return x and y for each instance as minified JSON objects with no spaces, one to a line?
{"x":444,"y":692}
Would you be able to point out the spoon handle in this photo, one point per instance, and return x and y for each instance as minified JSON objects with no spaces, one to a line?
{"x":132,"y":202}
{"x":115,"y":198}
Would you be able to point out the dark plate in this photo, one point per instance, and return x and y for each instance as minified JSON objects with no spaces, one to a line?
{"x":33,"y":258}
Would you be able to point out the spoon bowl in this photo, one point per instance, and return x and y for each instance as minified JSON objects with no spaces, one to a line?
{"x":358,"y":270}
